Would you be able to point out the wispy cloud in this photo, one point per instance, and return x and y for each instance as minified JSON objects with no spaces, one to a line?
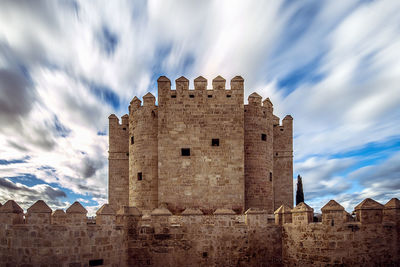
{"x":65,"y":66}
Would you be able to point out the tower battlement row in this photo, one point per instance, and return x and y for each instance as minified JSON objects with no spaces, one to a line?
{"x":201,"y":148}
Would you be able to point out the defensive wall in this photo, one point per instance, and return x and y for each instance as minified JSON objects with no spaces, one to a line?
{"x":42,"y":237}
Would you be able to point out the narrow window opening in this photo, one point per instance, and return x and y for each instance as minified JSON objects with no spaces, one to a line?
{"x":132,"y":140}
{"x":185,"y":152}
{"x":209,"y":96}
{"x":281,"y":129}
{"x":276,"y":154}
{"x":96,"y":262}
{"x":228,"y":96}
{"x":124,"y":129}
{"x":270,"y":176}
{"x":333,"y":223}
{"x":139,"y":176}
{"x":127,"y":154}
{"x":264,"y":137}
{"x":191,"y":96}
{"x":215,"y":142}
{"x":173,"y":96}
{"x":205,"y":254}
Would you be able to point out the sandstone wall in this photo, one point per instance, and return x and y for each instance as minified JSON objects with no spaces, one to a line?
{"x":118,"y":167}
{"x":283,"y":162}
{"x":258,"y":145}
{"x":143,"y":151}
{"x":212,"y":176}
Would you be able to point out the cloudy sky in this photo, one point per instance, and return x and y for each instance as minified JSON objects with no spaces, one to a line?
{"x":66,"y":65}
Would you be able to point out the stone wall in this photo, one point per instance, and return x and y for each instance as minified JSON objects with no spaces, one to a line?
{"x":129,"y":237}
{"x":118,"y":167}
{"x":340,"y":239}
{"x":212,"y":175}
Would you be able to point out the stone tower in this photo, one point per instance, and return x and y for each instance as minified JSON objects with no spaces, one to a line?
{"x":201,"y":148}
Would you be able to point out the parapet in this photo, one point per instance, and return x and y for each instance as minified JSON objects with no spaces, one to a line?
{"x":283,"y":215}
{"x":302,"y":214}
{"x":333,"y":213}
{"x":11,"y":213}
{"x":218,"y":83}
{"x":39,"y":213}
{"x":106,"y":215}
{"x":76,"y":214}
{"x":391,"y":210}
{"x":369,"y":211}
{"x":149,"y":100}
{"x":200,"y":83}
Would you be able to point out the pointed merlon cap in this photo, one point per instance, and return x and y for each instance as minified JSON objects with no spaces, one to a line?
{"x":218,"y":83}
{"x":106,"y":209}
{"x":255,"y":211}
{"x":224,"y":211}
{"x":255,"y":99}
{"x":182,"y":84}
{"x":11,"y":207}
{"x":39,"y":207}
{"x":113,"y":117}
{"x":59,"y":213}
{"x":369,"y":204}
{"x":302,"y":207}
{"x":149,"y":99}
{"x":283,"y":209}
{"x":125,"y":119}
{"x":267,"y":102}
{"x":161,"y":212}
{"x":163,"y":79}
{"x":237,"y":83}
{"x":135,"y":100}
{"x":200,"y":83}
{"x":76,"y":208}
{"x":288,"y":117}
{"x":332,"y":205}
{"x":190,"y":211}
{"x":394,"y":203}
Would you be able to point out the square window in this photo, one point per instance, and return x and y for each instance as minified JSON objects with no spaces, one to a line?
{"x":139,"y":176}
{"x":132,"y":140}
{"x":185,"y":152}
{"x":191,"y":96}
{"x":215,"y":142}
{"x":264,"y":137}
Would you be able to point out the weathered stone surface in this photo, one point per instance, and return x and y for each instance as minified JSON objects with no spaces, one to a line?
{"x":332,"y":205}
{"x":76,"y":207}
{"x":39,"y":207}
{"x":106,"y":209}
{"x":11,"y":207}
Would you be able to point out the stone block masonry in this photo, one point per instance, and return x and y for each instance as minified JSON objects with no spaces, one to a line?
{"x":131,"y":237}
{"x":201,"y":148}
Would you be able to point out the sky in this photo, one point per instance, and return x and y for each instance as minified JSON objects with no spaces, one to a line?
{"x":65,"y":66}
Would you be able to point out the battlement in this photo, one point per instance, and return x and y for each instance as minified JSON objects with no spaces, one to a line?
{"x":162,"y":237}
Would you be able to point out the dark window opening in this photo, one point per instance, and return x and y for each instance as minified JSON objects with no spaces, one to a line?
{"x":228,"y":96}
{"x":127,"y":154}
{"x":281,"y":129}
{"x":276,"y":154}
{"x":173,"y":96}
{"x":270,"y":176}
{"x":185,"y":152}
{"x":264,"y":137}
{"x":191,"y":96}
{"x":96,"y":262}
{"x":139,"y":176}
{"x":205,"y":254}
{"x":124,"y":129}
{"x":209,"y":96}
{"x":132,"y":140}
{"x":215,"y":142}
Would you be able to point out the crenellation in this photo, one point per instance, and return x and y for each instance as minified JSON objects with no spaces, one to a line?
{"x":218,"y":83}
{"x":132,"y":237}
{"x":182,"y":84}
{"x":200,"y":83}
{"x":39,"y":213}
{"x":369,"y":211}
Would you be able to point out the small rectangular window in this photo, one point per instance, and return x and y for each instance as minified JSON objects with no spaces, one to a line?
{"x":228,"y":96}
{"x":96,"y":262}
{"x":209,"y":96}
{"x":124,"y":129}
{"x":173,"y":96}
{"x":132,"y":140}
{"x":215,"y":142}
{"x":185,"y":152}
{"x":264,"y":137}
{"x":139,"y":176}
{"x":191,"y":96}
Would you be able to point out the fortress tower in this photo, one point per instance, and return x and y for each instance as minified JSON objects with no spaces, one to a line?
{"x":201,"y":149}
